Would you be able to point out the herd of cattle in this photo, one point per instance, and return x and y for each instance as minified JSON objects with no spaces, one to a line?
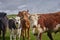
{"x":21,"y":24}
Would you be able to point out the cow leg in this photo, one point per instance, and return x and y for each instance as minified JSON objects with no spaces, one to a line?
{"x":14,"y":34}
{"x":11,"y":35}
{"x":4,"y":34}
{"x":19,"y":37}
{"x":23,"y":34}
{"x":28,"y":34}
{"x":39,"y":36}
{"x":14,"y":37}
{"x":0,"y":34}
{"x":19,"y":34}
{"x":49,"y":35}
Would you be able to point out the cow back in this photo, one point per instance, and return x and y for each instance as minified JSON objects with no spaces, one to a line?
{"x":49,"y":20}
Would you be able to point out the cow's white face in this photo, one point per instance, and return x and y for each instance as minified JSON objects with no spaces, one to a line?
{"x":34,"y":22}
{"x":17,"y":20}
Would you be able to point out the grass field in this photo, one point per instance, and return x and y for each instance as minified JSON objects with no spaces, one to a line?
{"x":32,"y":37}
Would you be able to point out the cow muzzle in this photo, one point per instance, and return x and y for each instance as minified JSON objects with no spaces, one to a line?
{"x":35,"y":34}
{"x":16,"y":22}
{"x":34,"y":26}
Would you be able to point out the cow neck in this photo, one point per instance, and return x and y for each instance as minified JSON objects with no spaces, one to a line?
{"x":24,"y":17}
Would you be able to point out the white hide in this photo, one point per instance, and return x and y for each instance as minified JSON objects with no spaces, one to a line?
{"x":57,"y":27}
{"x":18,"y":21}
{"x":33,"y":20}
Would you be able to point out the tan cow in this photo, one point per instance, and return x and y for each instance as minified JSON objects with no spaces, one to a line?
{"x":25,"y":23}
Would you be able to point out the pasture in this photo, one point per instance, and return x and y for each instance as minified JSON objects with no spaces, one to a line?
{"x":32,"y":37}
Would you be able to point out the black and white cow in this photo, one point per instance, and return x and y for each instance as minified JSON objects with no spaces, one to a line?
{"x":15,"y":28}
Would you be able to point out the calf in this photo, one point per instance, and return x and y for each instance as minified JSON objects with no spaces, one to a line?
{"x":15,"y":28}
{"x":45,"y":23}
{"x":19,"y":27}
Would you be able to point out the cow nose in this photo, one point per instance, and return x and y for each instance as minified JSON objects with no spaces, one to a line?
{"x":35,"y":34}
{"x":34,"y":26}
{"x":16,"y":22}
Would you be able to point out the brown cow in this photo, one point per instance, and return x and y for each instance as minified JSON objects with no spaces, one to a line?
{"x":25,"y":23}
{"x":45,"y":23}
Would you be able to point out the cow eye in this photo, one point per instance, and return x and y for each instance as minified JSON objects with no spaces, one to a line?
{"x":18,"y":20}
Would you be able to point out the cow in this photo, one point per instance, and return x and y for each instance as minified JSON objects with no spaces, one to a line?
{"x":19,"y":27}
{"x":25,"y":23}
{"x":15,"y":28}
{"x":41,"y":23}
{"x":3,"y":24}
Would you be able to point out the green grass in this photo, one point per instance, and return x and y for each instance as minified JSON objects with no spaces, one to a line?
{"x":9,"y":16}
{"x":32,"y":37}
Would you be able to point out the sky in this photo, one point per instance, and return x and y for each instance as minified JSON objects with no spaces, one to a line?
{"x":34,"y":6}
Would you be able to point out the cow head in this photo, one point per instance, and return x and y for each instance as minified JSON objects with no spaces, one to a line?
{"x":23,"y":13}
{"x":17,"y":21}
{"x":34,"y":22}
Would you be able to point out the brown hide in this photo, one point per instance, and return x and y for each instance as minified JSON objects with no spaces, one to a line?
{"x":49,"y":20}
{"x":25,"y":23}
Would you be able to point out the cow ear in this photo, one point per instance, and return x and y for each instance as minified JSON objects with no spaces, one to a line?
{"x":19,"y":11}
{"x":13,"y":17}
{"x":38,"y":16}
{"x":5,"y":14}
{"x":27,"y":10}
{"x":29,"y":16}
